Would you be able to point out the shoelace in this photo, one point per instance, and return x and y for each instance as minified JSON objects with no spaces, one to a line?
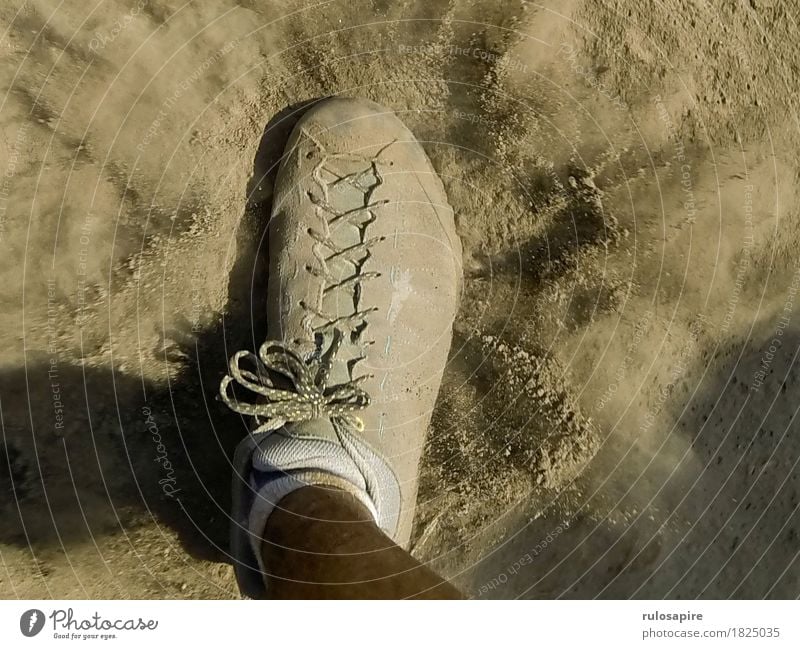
{"x":311,"y":398}
{"x":324,"y":238}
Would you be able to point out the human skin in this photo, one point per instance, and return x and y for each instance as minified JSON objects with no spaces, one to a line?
{"x":322,"y":543}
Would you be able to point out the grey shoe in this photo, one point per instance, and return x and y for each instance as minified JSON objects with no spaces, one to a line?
{"x":365,"y":273}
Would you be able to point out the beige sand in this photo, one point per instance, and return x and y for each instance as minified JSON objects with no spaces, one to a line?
{"x":618,"y":415}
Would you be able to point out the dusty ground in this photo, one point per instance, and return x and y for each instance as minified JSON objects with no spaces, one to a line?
{"x":618,"y":418}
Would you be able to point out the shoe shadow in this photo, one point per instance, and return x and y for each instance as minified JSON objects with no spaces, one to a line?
{"x":87,"y":452}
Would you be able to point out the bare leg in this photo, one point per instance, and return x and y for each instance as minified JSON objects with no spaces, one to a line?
{"x":322,"y":544}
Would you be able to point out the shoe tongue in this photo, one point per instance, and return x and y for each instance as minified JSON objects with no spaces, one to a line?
{"x":349,"y":183}
{"x":322,"y":428}
{"x":339,"y":372}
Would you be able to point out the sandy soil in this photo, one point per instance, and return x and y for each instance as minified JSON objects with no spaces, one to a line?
{"x":618,"y":417}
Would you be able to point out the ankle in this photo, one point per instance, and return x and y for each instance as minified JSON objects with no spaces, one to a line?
{"x":323,"y":543}
{"x":325,"y":520}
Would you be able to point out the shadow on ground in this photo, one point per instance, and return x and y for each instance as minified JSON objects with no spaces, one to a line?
{"x":706,"y":505}
{"x":92,"y":451}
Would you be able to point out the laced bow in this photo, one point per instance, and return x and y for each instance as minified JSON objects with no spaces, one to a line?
{"x":306,"y":394}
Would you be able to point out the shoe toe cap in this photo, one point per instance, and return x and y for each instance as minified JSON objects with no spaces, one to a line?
{"x":354,"y":124}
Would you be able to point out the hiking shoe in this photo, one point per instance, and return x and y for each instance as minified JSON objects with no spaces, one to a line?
{"x":364,"y":279}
